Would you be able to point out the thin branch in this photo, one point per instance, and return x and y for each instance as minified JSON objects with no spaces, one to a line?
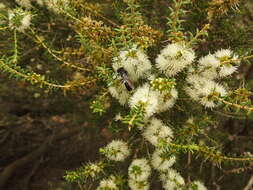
{"x":233,"y":104}
{"x":250,"y":184}
{"x":212,"y":154}
{"x":31,"y":77}
{"x":40,"y":41}
{"x":15,"y":56}
{"x":200,"y":33}
{"x":237,"y":60}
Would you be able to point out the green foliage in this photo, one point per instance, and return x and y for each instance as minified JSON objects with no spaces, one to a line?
{"x":89,"y":170}
{"x":135,"y":117}
{"x":100,"y":104}
{"x":19,"y":73}
{"x":175,"y":21}
{"x":86,"y":36}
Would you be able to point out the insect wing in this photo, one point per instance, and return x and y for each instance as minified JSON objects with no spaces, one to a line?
{"x":125,"y":79}
{"x":128,"y":84}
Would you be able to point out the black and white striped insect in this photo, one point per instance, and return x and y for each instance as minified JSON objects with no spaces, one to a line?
{"x":125,"y":79}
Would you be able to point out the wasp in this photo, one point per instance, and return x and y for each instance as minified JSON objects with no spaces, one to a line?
{"x":125,"y":79}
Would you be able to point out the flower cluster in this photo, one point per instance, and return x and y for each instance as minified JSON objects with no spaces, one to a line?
{"x":119,"y":92}
{"x":174,"y":58}
{"x":108,"y":184}
{"x":160,"y":94}
{"x":172,"y":180}
{"x":203,"y":90}
{"x":154,"y":100}
{"x":134,"y":61}
{"x":93,"y":169}
{"x":139,"y":170}
{"x":138,"y":185}
{"x":138,"y":173}
{"x":202,"y":80}
{"x":167,"y":92}
{"x":197,"y":185}
{"x":161,"y":160}
{"x":144,"y":95}
{"x":19,"y":19}
{"x":156,"y":93}
{"x":146,"y":88}
{"x":117,"y":150}
{"x":218,"y":65}
{"x":156,"y":131}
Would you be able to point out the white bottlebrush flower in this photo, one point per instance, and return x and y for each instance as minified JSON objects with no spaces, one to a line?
{"x":210,"y":88}
{"x":120,"y":93}
{"x":226,"y":58}
{"x":227,"y":70}
{"x":192,"y":92}
{"x":139,"y":170}
{"x":209,"y":61}
{"x":172,"y":180}
{"x":138,"y":185}
{"x":195,"y":79}
{"x":218,"y":65}
{"x":208,"y":66}
{"x":117,"y":150}
{"x":19,"y":19}
{"x":156,"y":131}
{"x":107,"y":184}
{"x":166,"y":103}
{"x":224,"y":53}
{"x":146,"y":96}
{"x":201,"y":89}
{"x":194,"y":83}
{"x":199,"y":185}
{"x":162,"y":161}
{"x":25,"y":22}
{"x":209,"y":73}
{"x":174,"y":58}
{"x":134,"y":61}
{"x":24,"y":3}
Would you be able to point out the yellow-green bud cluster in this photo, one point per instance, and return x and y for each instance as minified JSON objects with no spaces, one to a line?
{"x":224,"y":58}
{"x":93,"y":169}
{"x":132,"y":54}
{"x":163,"y":84}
